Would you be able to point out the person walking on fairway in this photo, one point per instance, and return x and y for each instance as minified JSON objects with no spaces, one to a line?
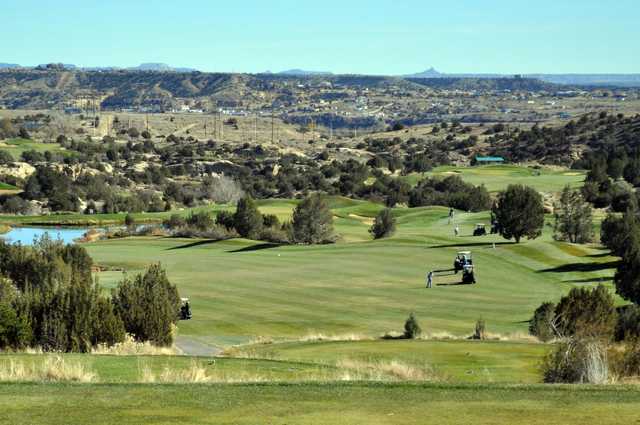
{"x":429,"y":279}
{"x":451,"y":213}
{"x":456,"y":231}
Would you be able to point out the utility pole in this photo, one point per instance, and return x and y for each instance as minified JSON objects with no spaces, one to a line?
{"x":255,"y":127}
{"x":272,"y":126}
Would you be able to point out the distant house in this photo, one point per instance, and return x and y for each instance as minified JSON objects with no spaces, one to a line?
{"x":488,"y":160}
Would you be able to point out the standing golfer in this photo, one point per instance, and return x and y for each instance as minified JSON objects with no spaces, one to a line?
{"x":456,"y":230}
{"x":429,"y":279}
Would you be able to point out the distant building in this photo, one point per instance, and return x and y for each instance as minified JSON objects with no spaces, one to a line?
{"x":488,"y":160}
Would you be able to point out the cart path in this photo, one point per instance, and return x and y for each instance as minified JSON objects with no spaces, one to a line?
{"x":191,"y":347}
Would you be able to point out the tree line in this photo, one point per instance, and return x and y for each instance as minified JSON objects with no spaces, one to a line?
{"x":48,"y":299}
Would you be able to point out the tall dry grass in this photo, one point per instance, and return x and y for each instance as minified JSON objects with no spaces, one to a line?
{"x":344,"y":370}
{"x":131,"y":347}
{"x":196,"y":373}
{"x":384,"y":370}
{"x":53,"y":368}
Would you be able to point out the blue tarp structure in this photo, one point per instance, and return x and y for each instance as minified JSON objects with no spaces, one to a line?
{"x":489,"y":159}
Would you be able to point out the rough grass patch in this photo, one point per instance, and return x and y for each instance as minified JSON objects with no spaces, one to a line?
{"x":131,"y":347}
{"x":51,"y":369}
{"x":392,"y":370}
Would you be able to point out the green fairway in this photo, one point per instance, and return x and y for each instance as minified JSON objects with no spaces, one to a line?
{"x":452,"y":361}
{"x":61,"y":404}
{"x":241,"y":289}
{"x":498,"y":177}
{"x":17,"y":146}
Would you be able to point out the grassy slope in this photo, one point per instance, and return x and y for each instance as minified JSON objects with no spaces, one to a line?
{"x":451,"y":361}
{"x":129,"y":369}
{"x":494,"y":177}
{"x":497,"y":177}
{"x":58,"y":404}
{"x":16,"y":146}
{"x":240,"y":288}
{"x":447,"y":361}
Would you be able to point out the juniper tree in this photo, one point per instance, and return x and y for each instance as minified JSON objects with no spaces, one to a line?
{"x":519,"y":212}
{"x":573,"y":217}
{"x":312,"y":221}
{"x":247,"y":219}
{"x":384,"y":225}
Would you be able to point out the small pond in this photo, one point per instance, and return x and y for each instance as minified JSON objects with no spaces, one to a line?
{"x":25,"y":235}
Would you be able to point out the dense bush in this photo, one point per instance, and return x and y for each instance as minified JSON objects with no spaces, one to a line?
{"x":54,"y":296}
{"x":174,"y":221}
{"x":247,"y":219}
{"x":225,"y":219}
{"x":451,"y":191}
{"x":627,"y":277}
{"x":519,"y":212}
{"x":149,"y":305}
{"x":15,"y":332}
{"x":412,"y":328}
{"x":312,"y":221}
{"x":615,"y":232}
{"x":587,"y":312}
{"x":542,"y":323}
{"x":628,"y":324}
{"x":384,"y":225}
{"x":201,"y":221}
{"x":573,"y":218}
{"x":577,"y":361}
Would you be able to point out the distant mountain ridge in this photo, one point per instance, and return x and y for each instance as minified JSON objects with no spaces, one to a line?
{"x":630,"y":80}
{"x":620,"y":80}
{"x":303,"y":73}
{"x":156,"y":66}
{"x":150,"y":66}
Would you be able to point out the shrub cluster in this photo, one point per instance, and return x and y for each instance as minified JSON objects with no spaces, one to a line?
{"x":312,"y":223}
{"x":451,"y":191}
{"x":49,"y":300}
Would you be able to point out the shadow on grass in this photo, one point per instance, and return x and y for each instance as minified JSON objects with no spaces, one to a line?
{"x":256,"y":247}
{"x":194,"y":244}
{"x":590,"y":280}
{"x":602,"y":255}
{"x":472,"y":244}
{"x":582,"y":267}
{"x":454,"y":284}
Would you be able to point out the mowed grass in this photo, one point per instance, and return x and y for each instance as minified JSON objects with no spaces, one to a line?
{"x":498,"y":177}
{"x":131,"y":369}
{"x":240,"y":289}
{"x":452,"y":361}
{"x":307,"y":403}
{"x":17,"y":146}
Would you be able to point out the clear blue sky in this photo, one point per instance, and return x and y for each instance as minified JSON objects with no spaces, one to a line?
{"x":374,"y":37}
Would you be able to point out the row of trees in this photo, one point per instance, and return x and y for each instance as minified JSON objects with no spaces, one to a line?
{"x":519,"y":212}
{"x":451,"y":191}
{"x":48,"y":299}
{"x":586,"y":321}
{"x":312,"y":223}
